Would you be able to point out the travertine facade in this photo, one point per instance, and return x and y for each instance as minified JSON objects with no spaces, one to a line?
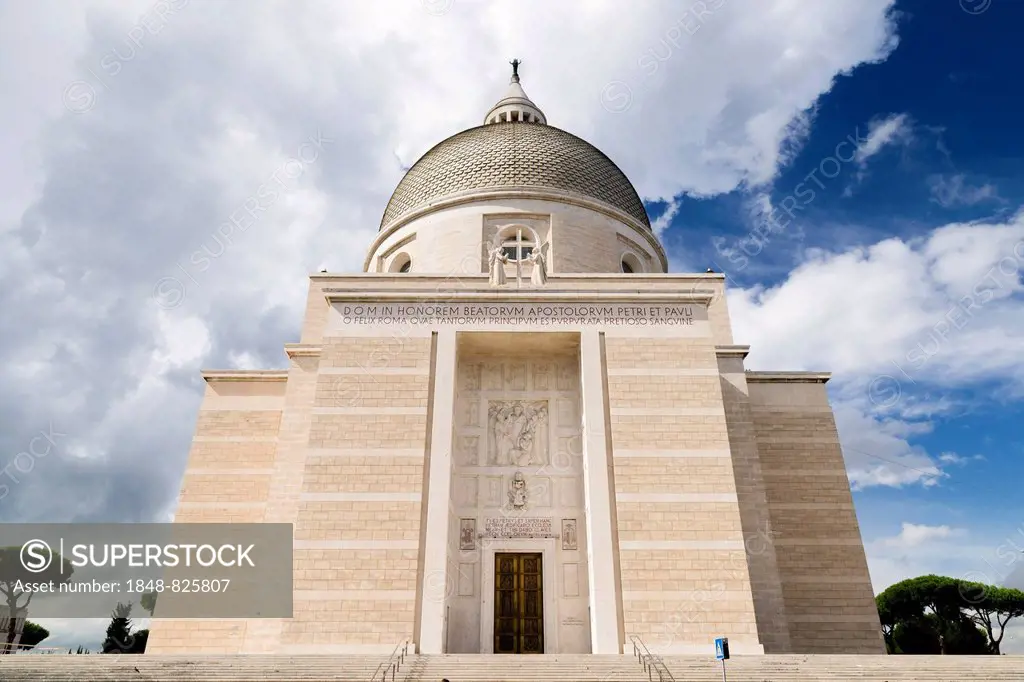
{"x":529,"y":467}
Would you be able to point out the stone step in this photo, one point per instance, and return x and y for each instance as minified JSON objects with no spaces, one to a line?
{"x":491,"y":668}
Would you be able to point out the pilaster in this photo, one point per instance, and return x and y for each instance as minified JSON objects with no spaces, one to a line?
{"x":604,"y":611}
{"x":438,"y":496}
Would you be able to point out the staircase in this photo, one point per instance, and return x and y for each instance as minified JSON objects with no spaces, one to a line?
{"x":849,"y":668}
{"x":498,"y":668}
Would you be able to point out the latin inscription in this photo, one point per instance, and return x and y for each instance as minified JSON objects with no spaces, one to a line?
{"x":528,"y":313}
{"x":511,"y":527}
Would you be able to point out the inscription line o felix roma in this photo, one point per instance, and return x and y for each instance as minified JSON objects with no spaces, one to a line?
{"x":534,"y":314}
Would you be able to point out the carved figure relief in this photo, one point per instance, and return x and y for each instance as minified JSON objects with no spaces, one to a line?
{"x":467,"y":534}
{"x":497,"y":261}
{"x":518,"y":432}
{"x":517,"y":492}
{"x":539,"y":276}
{"x":569,"y":540}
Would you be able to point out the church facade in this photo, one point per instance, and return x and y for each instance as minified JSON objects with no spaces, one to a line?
{"x":516,"y":432}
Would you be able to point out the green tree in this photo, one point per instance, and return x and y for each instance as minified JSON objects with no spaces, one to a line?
{"x":139,"y":641}
{"x":32,"y":634}
{"x":929,"y":633}
{"x":119,"y":631}
{"x":937,"y":614}
{"x":14,"y":575}
{"x":916,"y":636}
{"x":120,"y":639}
{"x":964,"y":638}
{"x":991,"y":608}
{"x":81,"y":650}
{"x":908,"y":602}
{"x":898,"y":610}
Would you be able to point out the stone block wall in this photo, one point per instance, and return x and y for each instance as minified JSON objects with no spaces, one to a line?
{"x":357,"y":517}
{"x":829,"y":601}
{"x":338,"y":451}
{"x":228,"y":480}
{"x":683,"y":569}
{"x":758,"y":544}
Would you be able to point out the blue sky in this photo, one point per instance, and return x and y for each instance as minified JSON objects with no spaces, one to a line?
{"x":136,"y":133}
{"x":953,"y":153}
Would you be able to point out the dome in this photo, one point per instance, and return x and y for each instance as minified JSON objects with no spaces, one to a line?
{"x":564,"y":196}
{"x":514,"y":155}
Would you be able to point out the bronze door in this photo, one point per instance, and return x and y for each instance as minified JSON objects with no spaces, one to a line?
{"x":518,"y":604}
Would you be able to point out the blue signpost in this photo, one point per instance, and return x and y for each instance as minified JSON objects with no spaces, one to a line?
{"x":722,"y":653}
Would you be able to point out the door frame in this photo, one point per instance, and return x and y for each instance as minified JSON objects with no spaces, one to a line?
{"x":548,"y":550}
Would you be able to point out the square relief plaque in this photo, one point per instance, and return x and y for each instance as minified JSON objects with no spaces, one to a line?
{"x":543,"y":375}
{"x":465,"y":491}
{"x":517,"y":433}
{"x":567,"y":413}
{"x":468,"y":451}
{"x":492,"y":377}
{"x":516,"y":377}
{"x":567,"y":379}
{"x":469,"y":377}
{"x":469,"y":413}
{"x":492,"y":491}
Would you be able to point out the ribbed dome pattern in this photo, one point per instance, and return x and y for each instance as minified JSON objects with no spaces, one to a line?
{"x":514,"y":156}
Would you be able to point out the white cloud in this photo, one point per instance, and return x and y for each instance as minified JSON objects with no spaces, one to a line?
{"x":877,"y":449}
{"x":886,"y":131}
{"x":953,"y":458}
{"x":902,"y":325}
{"x":662,"y":222}
{"x":892,"y":129}
{"x":952,"y":191}
{"x":923,"y":307}
{"x":921,"y":549}
{"x":913,"y":535}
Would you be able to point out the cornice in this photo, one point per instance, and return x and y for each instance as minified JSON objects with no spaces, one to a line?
{"x":302,"y":350}
{"x":247,"y":375}
{"x":740,"y":352}
{"x":789,"y":377}
{"x":519,"y":296}
{"x":625,"y":280}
